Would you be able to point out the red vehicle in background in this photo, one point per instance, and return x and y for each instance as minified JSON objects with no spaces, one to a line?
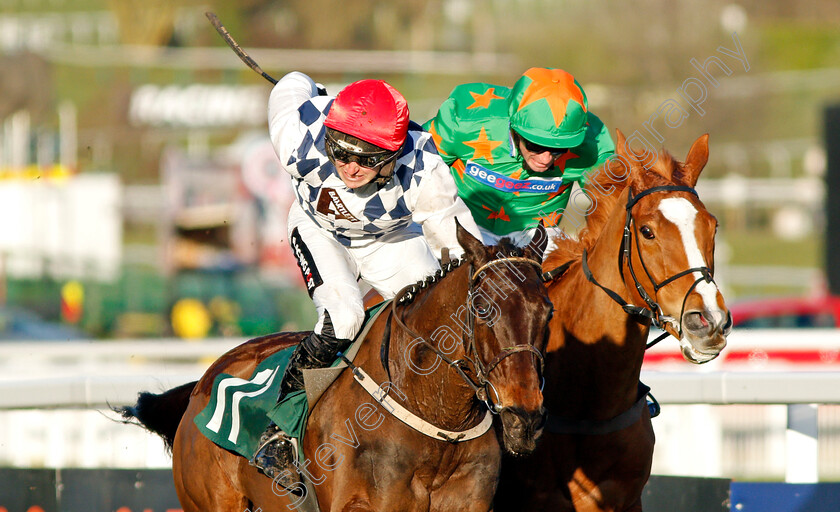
{"x":770,"y":333}
{"x":814,"y":311}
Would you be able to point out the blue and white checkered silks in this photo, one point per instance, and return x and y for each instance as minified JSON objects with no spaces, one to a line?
{"x":354,"y":216}
{"x":422,"y":189}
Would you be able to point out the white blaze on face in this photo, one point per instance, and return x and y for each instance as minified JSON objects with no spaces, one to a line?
{"x":682,"y":213}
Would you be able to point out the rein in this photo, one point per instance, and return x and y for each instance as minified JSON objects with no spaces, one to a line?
{"x":482,"y":387}
{"x":652,"y":310}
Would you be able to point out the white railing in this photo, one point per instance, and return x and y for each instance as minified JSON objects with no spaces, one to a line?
{"x":43,"y":386}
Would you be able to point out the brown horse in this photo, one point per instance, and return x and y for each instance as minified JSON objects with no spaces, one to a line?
{"x":464,"y":342}
{"x":646,"y":255}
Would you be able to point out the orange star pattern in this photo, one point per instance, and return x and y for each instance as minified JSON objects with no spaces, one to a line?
{"x":542,"y":86}
{"x":555,"y":194}
{"x":436,"y":137}
{"x":497,"y":214}
{"x":515,"y":176}
{"x":459,"y":166}
{"x":483,"y":100}
{"x":483,"y":148}
{"x":552,"y":219}
{"x":562,"y":159}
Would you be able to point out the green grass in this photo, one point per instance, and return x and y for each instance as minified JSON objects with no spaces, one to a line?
{"x":792,"y":44}
{"x":762,"y":248}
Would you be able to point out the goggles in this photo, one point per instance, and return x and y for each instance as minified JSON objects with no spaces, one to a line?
{"x":538,"y":149}
{"x":372,"y":160}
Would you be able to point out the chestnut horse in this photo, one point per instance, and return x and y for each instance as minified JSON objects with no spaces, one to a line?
{"x":450,"y":350}
{"x":646,"y":255}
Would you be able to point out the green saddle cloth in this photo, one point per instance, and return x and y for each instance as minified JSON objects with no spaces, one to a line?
{"x":240,"y":409}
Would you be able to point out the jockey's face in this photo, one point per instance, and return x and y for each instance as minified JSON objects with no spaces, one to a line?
{"x":354,"y":165}
{"x":537,"y":158}
{"x":354,"y":175}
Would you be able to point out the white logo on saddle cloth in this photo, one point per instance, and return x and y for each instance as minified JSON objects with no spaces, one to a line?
{"x":263,"y":379}
{"x":329,"y":203}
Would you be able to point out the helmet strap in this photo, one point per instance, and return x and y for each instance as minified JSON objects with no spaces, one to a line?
{"x":382,"y":179}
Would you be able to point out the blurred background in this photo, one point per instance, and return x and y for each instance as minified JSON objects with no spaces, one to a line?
{"x":135,"y":170}
{"x":140,"y":196}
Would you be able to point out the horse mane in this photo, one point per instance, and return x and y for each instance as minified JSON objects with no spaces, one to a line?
{"x":411,"y":292}
{"x":611,"y":176}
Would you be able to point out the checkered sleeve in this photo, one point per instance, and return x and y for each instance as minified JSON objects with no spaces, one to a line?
{"x":437,"y":205}
{"x":284,"y":119}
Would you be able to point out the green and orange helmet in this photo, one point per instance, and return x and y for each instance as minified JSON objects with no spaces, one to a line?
{"x":548,"y":107}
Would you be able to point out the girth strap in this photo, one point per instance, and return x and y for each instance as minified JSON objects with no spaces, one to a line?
{"x":559,"y":425}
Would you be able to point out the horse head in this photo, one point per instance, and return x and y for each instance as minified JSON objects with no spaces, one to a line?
{"x":668,"y":247}
{"x":510,"y":310}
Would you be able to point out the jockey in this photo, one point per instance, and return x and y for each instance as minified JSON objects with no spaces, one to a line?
{"x":515,"y":153}
{"x":374,"y":201}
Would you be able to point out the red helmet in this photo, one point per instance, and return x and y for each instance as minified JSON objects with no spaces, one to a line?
{"x":373,"y":111}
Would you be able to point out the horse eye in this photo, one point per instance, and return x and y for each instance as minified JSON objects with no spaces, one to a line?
{"x":480,"y":307}
{"x":647,"y":233}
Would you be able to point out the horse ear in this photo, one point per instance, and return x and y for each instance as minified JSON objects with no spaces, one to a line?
{"x":628,"y":158}
{"x":620,"y":143}
{"x":697,"y":157}
{"x":538,"y":243}
{"x":634,"y":177}
{"x":636,"y":180}
{"x":473,"y":247}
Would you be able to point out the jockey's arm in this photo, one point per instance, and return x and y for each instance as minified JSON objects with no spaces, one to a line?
{"x":438,"y":205}
{"x":284,"y":124}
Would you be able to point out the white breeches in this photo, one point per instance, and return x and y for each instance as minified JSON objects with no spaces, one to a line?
{"x":387,"y":265}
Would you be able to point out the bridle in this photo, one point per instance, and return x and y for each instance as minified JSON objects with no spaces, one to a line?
{"x":652,"y":310}
{"x":481,"y":385}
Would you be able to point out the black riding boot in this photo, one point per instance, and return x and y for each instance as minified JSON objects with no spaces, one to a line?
{"x":275,"y":452}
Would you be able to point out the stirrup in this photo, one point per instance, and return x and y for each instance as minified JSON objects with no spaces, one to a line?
{"x":275,"y":458}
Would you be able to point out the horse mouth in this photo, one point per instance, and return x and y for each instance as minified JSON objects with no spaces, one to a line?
{"x":521,"y":429}
{"x":692,"y":355}
{"x":711,"y":348}
{"x":704,"y":335}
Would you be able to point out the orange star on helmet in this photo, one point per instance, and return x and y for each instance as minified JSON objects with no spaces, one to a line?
{"x":544,"y":85}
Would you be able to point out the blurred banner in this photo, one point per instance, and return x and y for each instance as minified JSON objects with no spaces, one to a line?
{"x":68,"y":226}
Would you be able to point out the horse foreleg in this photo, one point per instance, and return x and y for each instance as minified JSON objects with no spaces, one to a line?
{"x":603,"y":496}
{"x":468,"y":491}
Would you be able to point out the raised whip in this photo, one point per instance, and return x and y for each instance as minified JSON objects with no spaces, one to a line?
{"x":236,"y":48}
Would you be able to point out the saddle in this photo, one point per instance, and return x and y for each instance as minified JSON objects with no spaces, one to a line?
{"x":239,"y":409}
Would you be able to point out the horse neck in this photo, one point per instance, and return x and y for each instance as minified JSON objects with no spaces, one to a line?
{"x":596,"y":349}
{"x":441,"y":396}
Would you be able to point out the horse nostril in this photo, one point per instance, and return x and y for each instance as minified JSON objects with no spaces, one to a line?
{"x":695,"y":321}
{"x":541,"y":420}
{"x":727,"y":327}
{"x":707,"y":321}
